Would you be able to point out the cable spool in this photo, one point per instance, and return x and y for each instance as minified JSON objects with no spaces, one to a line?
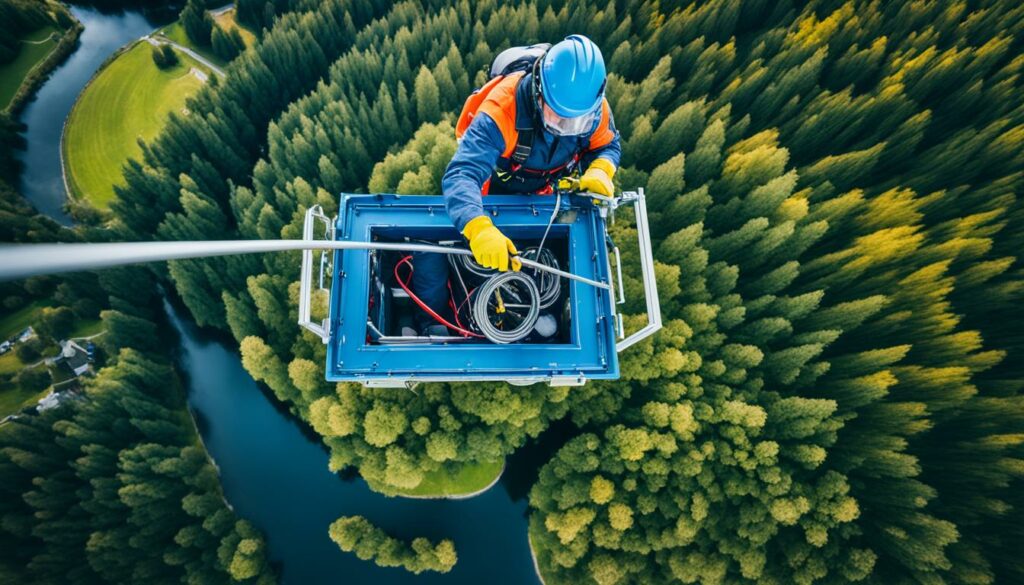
{"x":550,"y":285}
{"x":506,"y":307}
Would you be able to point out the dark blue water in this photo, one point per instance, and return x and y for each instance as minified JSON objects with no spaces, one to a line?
{"x":276,"y":476}
{"x":41,"y":182}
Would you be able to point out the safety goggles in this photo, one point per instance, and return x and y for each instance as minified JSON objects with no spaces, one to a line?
{"x":560,"y":126}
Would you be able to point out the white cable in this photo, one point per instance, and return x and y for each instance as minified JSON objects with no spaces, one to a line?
{"x":24,"y":260}
{"x":495,"y":287}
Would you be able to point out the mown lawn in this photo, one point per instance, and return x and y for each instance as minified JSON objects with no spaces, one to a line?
{"x":468,"y":479}
{"x":10,"y":364}
{"x":37,"y":46}
{"x":15,"y":322}
{"x":128,"y":100}
{"x":176,"y":33}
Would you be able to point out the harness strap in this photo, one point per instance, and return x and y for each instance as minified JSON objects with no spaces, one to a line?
{"x":524,"y":146}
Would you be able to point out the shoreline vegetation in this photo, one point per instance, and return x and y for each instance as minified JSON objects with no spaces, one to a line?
{"x":356,"y":534}
{"x":40,"y":71}
{"x":461,"y":491}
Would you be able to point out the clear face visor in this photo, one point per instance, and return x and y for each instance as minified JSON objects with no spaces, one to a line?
{"x":560,"y":126}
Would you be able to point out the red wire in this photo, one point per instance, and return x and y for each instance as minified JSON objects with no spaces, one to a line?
{"x":464,"y":301}
{"x":451,"y":303}
{"x":421,"y":304}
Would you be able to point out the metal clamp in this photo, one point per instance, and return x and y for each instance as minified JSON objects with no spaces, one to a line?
{"x":643,"y":236}
{"x":322,"y":329}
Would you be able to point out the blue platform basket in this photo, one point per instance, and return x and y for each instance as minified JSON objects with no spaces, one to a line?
{"x":362,"y":329}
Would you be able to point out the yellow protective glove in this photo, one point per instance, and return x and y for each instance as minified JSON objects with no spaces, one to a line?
{"x":490,"y":247}
{"x":598,"y":178}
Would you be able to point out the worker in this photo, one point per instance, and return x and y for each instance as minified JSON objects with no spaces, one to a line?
{"x":524,"y":131}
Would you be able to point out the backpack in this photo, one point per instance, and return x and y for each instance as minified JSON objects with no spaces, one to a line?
{"x":507,"y":62}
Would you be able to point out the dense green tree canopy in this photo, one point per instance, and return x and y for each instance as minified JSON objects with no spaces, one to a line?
{"x":115,"y":487}
{"x":357,"y":535}
{"x":834,"y":191}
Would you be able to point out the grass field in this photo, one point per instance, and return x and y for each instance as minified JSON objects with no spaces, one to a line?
{"x":129,"y":99}
{"x":469,"y":479}
{"x":10,"y":364}
{"x":18,"y":320}
{"x":35,"y":48}
{"x":176,"y":33}
{"x":13,"y":400}
{"x":86,"y":328}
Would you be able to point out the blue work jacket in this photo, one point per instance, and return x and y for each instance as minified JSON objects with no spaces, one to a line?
{"x":479,"y":162}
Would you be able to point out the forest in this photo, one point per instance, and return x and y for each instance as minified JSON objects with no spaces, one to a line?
{"x":836,"y":395}
{"x":114,"y":485}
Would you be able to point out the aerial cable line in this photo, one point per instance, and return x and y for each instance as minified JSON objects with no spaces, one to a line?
{"x":24,"y":260}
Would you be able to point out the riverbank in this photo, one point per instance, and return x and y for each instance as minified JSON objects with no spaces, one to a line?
{"x":39,"y":72}
{"x":533,"y":553}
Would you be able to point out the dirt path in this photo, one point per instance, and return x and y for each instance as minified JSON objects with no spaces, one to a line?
{"x":157,"y":41}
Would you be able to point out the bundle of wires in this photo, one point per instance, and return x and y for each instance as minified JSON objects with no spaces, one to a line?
{"x":464,"y":264}
{"x":503,"y":297}
{"x":407,"y":261}
{"x":505,"y":307}
{"x":549,"y":284}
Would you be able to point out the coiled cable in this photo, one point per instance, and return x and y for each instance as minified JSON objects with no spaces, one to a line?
{"x":506,"y":307}
{"x":471,"y":266}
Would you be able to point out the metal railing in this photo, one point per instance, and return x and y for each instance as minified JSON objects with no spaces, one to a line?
{"x":643,"y":236}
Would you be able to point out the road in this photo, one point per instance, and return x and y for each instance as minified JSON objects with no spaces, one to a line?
{"x":157,"y":41}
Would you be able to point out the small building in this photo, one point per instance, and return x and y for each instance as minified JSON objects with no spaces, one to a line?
{"x":55,"y":399}
{"x":51,"y":400}
{"x":74,"y":357}
{"x":25,"y":335}
{"x":5,"y":347}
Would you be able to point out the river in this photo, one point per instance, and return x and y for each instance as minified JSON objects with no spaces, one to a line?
{"x":274,"y":469}
{"x":41,"y":182}
{"x":275,"y":475}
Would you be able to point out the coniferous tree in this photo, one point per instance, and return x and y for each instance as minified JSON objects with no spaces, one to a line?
{"x":197,"y":22}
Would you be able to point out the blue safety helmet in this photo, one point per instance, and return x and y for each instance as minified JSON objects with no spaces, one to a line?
{"x":572,"y":77}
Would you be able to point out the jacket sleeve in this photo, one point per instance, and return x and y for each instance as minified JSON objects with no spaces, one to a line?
{"x":611,"y":150}
{"x":469,"y":169}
